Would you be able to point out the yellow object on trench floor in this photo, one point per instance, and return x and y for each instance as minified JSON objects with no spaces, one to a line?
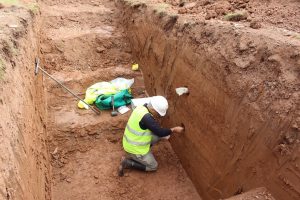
{"x":135,"y":67}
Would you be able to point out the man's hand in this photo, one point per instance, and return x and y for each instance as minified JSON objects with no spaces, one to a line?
{"x":177,"y":129}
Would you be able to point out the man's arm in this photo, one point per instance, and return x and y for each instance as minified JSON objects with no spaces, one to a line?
{"x":148,"y":122}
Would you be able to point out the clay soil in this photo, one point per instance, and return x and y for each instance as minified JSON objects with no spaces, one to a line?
{"x":83,"y":43}
{"x":283,"y":14}
{"x":238,"y":137}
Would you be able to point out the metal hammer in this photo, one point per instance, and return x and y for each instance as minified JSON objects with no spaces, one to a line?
{"x":113,"y":113}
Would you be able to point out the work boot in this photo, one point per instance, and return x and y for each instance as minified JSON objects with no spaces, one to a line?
{"x":137,"y":165}
{"x":127,"y":163}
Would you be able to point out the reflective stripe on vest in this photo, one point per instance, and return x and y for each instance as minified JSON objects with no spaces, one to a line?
{"x":136,"y":143}
{"x":137,"y":132}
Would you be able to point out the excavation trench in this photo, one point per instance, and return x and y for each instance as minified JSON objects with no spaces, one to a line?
{"x":241,"y":114}
{"x":242,"y":111}
{"x":84,"y":43}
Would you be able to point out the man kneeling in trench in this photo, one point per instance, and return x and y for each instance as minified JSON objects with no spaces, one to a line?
{"x":141,"y":132}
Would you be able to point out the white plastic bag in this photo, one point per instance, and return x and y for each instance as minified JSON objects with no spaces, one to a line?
{"x":122,"y":83}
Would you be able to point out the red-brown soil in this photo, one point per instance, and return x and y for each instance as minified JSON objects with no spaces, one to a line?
{"x":259,"y":194}
{"x":270,"y":13}
{"x":242,"y":113}
{"x":83,"y":43}
{"x":24,"y":162}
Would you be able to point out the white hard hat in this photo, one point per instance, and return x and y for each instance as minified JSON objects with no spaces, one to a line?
{"x":159,"y":104}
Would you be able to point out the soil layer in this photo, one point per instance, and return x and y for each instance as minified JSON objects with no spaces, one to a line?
{"x":83,"y":43}
{"x":241,"y":115}
{"x":24,"y":162}
{"x":239,"y":59}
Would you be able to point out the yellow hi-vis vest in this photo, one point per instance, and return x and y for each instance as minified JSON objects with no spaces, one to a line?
{"x":136,"y":140}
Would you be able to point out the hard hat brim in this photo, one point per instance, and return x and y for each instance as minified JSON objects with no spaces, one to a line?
{"x":161,"y":113}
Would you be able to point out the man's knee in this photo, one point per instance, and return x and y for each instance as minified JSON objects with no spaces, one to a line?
{"x":148,"y":160}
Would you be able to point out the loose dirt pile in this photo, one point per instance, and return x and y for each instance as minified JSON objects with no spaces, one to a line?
{"x":272,"y":13}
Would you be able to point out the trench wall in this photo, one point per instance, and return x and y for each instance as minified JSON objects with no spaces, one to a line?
{"x":242,"y":113}
{"x":24,"y":160}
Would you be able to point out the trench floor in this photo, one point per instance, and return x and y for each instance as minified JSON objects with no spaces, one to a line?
{"x":83,"y":43}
